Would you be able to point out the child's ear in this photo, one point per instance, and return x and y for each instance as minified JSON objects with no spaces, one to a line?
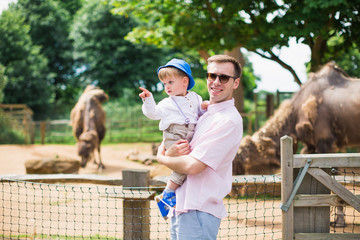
{"x":186,"y":81}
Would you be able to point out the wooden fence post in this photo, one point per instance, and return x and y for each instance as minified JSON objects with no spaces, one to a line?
{"x":256,"y":123}
{"x":269,"y":105}
{"x":109,"y":128}
{"x":42,"y":132}
{"x":136,"y":208}
{"x":250,"y":124}
{"x":139,"y":128}
{"x":286,"y":148}
{"x":32,"y":132}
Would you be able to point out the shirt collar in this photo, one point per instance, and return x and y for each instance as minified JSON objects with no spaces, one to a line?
{"x":176,"y":97}
{"x":220,"y":106}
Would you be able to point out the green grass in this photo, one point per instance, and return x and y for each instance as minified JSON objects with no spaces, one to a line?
{"x":138,"y":129}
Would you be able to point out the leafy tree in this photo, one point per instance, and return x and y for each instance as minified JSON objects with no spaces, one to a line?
{"x":261,"y":26}
{"x":207,"y":27}
{"x":50,"y":23}
{"x":106,"y":58}
{"x":326,"y":26}
{"x":25,"y":67}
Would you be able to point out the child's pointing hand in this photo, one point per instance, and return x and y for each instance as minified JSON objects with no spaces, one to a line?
{"x":145,"y":93}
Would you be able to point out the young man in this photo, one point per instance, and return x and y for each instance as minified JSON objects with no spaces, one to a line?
{"x":207,"y":160}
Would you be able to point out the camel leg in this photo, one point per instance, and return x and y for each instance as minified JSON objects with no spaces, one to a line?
{"x":328,"y":146}
{"x":92,"y":158}
{"x":101,"y":165}
{"x":340,"y":217}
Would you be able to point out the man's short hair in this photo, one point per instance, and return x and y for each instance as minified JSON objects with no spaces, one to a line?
{"x":225,"y":59}
{"x":171,"y":71}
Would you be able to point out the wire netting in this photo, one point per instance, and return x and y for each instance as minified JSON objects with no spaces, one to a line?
{"x":52,"y":211}
{"x":30,"y":210}
{"x":346,"y":219}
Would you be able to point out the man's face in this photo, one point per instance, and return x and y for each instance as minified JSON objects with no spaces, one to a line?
{"x":220,"y":92}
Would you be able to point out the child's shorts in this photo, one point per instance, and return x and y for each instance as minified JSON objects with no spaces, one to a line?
{"x":172,"y":134}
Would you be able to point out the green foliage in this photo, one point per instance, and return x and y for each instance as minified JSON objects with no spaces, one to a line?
{"x":349,"y":60}
{"x":249,"y":79}
{"x":3,"y":81}
{"x":50,"y":28}
{"x":107,"y":59}
{"x":120,"y":52}
{"x":9,"y":134}
{"x":72,"y":6}
{"x":201,"y":88}
{"x":25,"y":67}
{"x":219,"y":25}
{"x":259,"y":26}
{"x":317,"y":23}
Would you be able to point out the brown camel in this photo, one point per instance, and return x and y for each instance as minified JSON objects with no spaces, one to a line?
{"x":88,"y":123}
{"x":323,"y":116}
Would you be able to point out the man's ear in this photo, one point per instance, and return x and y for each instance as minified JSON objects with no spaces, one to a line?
{"x":236,"y":83}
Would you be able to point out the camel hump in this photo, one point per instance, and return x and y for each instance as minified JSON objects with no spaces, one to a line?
{"x":331,"y":73}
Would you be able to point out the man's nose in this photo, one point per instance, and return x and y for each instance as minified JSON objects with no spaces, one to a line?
{"x":217,"y":80}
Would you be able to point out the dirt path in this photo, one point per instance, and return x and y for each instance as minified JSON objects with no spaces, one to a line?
{"x":13,"y":157}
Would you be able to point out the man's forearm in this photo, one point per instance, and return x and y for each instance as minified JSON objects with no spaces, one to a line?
{"x":182,"y":164}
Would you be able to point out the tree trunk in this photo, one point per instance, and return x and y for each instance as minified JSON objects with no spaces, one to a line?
{"x":317,"y":53}
{"x":239,"y":92}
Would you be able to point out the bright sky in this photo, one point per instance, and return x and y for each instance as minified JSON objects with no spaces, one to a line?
{"x":273,"y":76}
{"x":4,"y":4}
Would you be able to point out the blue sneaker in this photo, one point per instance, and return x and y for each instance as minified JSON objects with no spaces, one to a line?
{"x":165,"y":202}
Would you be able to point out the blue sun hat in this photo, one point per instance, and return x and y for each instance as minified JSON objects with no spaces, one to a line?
{"x":183,"y":66}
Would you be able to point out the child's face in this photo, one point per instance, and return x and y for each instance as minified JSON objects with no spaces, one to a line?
{"x":175,"y":86}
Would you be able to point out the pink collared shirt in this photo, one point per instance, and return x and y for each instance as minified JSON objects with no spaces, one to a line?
{"x":216,"y":141}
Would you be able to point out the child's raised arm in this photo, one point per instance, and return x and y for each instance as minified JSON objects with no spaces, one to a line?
{"x":145,"y":93}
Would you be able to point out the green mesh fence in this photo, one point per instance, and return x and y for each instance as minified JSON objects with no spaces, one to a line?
{"x":31,"y":210}
{"x":50,"y":211}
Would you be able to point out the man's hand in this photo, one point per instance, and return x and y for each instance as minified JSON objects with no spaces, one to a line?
{"x":145,"y":93}
{"x":205,"y":104}
{"x":181,"y":147}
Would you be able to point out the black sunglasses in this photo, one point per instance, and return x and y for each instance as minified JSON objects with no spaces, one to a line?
{"x":222,"y":77}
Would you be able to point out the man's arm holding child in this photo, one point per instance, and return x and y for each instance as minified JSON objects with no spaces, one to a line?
{"x":178,"y":159}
